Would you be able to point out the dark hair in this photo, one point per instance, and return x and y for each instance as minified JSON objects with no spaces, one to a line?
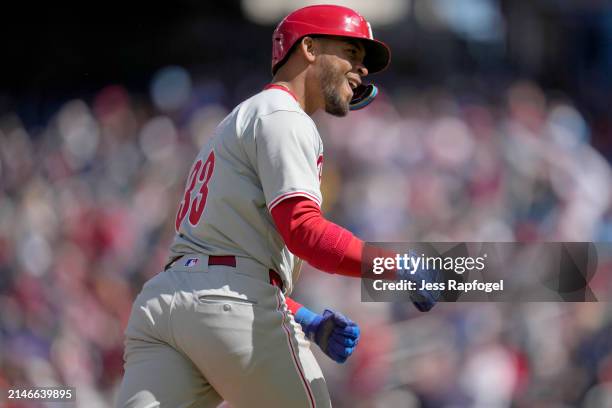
{"x":295,"y":44}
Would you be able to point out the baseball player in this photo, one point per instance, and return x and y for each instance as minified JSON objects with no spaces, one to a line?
{"x":217,"y":323}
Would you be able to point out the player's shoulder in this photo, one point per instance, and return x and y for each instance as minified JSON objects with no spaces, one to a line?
{"x":274,"y":102}
{"x":273,"y":111}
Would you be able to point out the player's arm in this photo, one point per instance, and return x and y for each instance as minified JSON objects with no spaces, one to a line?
{"x":311,"y":237}
{"x":326,"y":245}
{"x":285,"y":150}
{"x":285,"y":154}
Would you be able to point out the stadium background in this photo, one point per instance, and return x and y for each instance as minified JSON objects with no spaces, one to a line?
{"x":493,"y":124}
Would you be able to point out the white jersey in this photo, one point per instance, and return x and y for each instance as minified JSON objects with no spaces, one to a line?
{"x":266,"y":150}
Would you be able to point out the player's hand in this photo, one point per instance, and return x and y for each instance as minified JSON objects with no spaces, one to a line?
{"x":424,"y":300}
{"x":335,"y":334}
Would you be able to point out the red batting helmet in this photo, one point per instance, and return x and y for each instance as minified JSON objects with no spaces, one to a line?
{"x":328,"y":20}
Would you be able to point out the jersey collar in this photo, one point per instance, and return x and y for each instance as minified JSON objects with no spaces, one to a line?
{"x":283,"y":88}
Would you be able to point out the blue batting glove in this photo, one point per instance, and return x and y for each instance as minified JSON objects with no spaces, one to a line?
{"x":424,"y":300}
{"x":335,"y":334}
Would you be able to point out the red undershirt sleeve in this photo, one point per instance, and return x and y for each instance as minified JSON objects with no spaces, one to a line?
{"x":321,"y":243}
{"x":292,"y":305}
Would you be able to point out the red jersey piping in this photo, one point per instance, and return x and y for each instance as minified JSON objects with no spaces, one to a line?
{"x":274,"y":86}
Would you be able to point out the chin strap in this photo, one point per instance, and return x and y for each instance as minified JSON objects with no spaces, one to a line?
{"x":363,"y":96}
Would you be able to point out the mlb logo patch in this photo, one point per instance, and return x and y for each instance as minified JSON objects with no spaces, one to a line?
{"x":191,"y":261}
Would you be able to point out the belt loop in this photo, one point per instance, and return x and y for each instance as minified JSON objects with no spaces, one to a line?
{"x":276,"y":280}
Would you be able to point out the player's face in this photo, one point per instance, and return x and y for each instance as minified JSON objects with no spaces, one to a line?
{"x":341,"y":70}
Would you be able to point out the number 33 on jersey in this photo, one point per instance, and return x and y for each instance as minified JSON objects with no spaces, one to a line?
{"x":194,"y":203}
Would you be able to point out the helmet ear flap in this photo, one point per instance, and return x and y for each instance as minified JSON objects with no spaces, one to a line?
{"x":363,"y":96}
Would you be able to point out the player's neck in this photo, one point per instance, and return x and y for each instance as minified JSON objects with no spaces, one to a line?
{"x":293,"y":90}
{"x":296,"y":86}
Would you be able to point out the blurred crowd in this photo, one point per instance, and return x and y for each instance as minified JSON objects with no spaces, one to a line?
{"x":87,"y":203}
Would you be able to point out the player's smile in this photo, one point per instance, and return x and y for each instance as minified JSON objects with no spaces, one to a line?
{"x":353,"y":84}
{"x":350,"y":89}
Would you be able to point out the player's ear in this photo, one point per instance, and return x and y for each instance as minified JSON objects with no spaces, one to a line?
{"x":308,"y":48}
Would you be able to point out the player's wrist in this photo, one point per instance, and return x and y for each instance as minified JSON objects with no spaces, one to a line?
{"x":305,"y":317}
{"x":310,"y":322}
